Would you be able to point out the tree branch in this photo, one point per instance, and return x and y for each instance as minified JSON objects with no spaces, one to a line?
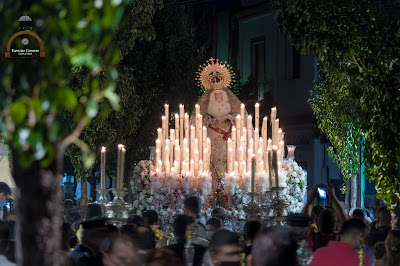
{"x":75,"y":133}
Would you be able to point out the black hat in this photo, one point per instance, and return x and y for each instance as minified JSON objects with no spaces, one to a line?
{"x":298,"y":220}
{"x":95,"y":223}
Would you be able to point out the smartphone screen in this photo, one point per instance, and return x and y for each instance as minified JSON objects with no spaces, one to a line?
{"x":321,"y":192}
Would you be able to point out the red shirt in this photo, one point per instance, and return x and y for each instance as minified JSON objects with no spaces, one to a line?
{"x":337,"y":253}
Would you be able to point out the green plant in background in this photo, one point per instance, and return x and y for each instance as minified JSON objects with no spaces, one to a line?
{"x":33,"y":97}
{"x":337,"y":119}
{"x":160,"y":68}
{"x":111,"y":127}
{"x":358,"y":45}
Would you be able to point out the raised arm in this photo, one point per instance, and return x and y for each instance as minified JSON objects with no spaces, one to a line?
{"x":340,"y":212}
{"x":312,"y":192}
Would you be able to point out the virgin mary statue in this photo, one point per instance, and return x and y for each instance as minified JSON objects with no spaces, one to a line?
{"x":219,"y":107}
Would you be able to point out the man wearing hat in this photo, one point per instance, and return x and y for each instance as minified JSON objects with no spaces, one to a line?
{"x":298,"y":224}
{"x":94,"y":232}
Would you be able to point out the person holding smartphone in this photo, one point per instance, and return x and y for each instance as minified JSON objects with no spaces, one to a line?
{"x":5,"y":193}
{"x":333,"y":217}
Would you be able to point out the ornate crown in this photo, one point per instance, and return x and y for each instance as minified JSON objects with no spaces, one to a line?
{"x":215,"y":74}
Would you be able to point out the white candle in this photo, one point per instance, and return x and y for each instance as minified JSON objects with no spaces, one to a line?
{"x":269,"y":144}
{"x":261,"y":145}
{"x":251,"y":145}
{"x":249,"y":153}
{"x":201,"y":166}
{"x":187,"y":156}
{"x":186,"y":126}
{"x":249,"y":129}
{"x":120,"y":146}
{"x":120,"y":181}
{"x":167,"y":168}
{"x":278,"y":155}
{"x":275,"y":164}
{"x":243,"y":145}
{"x":265,"y":131}
{"x":253,"y":173}
{"x":181,"y":110}
{"x":238,"y":131}
{"x":234,"y":142}
{"x":176,"y":126}
{"x":192,"y":138}
{"x":196,"y":146}
{"x":159,"y":166}
{"x":279,"y":136}
{"x":276,"y":128}
{"x":240,"y":159}
{"x":243,"y":171}
{"x":178,"y":158}
{"x":172,"y":137}
{"x":236,"y":167}
{"x":183,"y":167}
{"x":200,"y":137}
{"x":166,"y":155}
{"x":282,"y":178}
{"x":176,"y":168}
{"x":256,"y":138}
{"x":273,"y":114}
{"x":261,"y":166}
{"x":257,"y":115}
{"x":281,"y":147}
{"x":244,"y":136}
{"x":166,"y":114}
{"x":197,"y":110}
{"x":192,"y":167}
{"x":249,"y":122}
{"x":158,"y":155}
{"x":158,"y":144}
{"x":103,"y":168}
{"x":259,"y":160}
{"x":159,"y":133}
{"x":230,"y":159}
{"x":204,"y":142}
{"x":181,"y":127}
{"x":242,"y":116}
{"x":266,"y":160}
{"x":163,"y":128}
{"x":205,"y":166}
{"x":229,"y":155}
{"x":237,"y":121}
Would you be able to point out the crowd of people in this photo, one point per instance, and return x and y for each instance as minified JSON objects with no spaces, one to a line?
{"x":319,"y":235}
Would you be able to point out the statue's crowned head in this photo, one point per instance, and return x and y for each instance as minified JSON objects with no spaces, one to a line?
{"x":215,"y":74}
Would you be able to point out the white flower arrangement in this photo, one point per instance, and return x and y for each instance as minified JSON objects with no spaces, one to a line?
{"x":165,"y":195}
{"x":296,"y":185}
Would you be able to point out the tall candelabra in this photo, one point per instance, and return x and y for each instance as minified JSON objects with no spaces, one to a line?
{"x":117,"y":210}
{"x":277,"y":207}
{"x":102,"y":201}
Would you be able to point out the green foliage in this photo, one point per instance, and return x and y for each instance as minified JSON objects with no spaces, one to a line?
{"x":358,"y":45}
{"x":337,"y":119}
{"x":35,"y":93}
{"x":105,"y":125}
{"x":159,"y":64}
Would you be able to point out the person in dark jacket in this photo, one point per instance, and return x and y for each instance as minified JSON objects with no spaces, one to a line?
{"x":180,"y":224}
{"x":87,"y":253}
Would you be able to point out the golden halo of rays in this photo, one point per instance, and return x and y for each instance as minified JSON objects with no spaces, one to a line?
{"x":215,"y":74}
